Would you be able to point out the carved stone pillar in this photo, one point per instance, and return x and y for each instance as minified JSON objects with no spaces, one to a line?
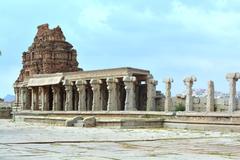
{"x":56,"y":98}
{"x":96,"y":84}
{"x":210,"y":97}
{"x":81,"y":88}
{"x":151,"y":94}
{"x":68,"y":102}
{"x":23,"y":98}
{"x":34,"y":105}
{"x":44,"y":98}
{"x":188,"y":81}
{"x":112,"y":104}
{"x":168,"y":99}
{"x":17,"y":97}
{"x":232,"y":79}
{"x":130,"y":104}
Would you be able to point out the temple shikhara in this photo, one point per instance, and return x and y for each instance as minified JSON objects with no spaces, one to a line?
{"x":50,"y":80}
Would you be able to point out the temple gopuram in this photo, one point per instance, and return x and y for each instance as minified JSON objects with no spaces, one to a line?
{"x":50,"y":80}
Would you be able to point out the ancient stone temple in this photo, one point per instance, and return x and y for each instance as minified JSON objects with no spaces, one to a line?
{"x":49,"y":53}
{"x":50,"y":80}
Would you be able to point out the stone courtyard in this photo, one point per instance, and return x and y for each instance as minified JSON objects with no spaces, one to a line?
{"x":19,"y":140}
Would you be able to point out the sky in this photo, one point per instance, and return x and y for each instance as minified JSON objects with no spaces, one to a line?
{"x":171,"y":38}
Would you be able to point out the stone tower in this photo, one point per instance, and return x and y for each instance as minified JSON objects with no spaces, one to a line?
{"x":49,"y":53}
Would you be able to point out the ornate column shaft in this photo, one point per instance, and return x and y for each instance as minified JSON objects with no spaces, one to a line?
{"x":188,"y":81}
{"x":112,"y":104}
{"x":34,"y":105}
{"x":56,"y":98}
{"x":210,"y":97}
{"x":130,"y":104}
{"x":17,"y":95}
{"x":168,"y":99}
{"x":23,"y":91}
{"x":68,"y":103}
{"x":151,"y":94}
{"x":81,"y":88}
{"x":96,"y":105}
{"x":232,"y":79}
{"x":43,"y":98}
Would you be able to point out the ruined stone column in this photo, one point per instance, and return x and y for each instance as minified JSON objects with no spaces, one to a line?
{"x":81,"y":88}
{"x":96,"y":84}
{"x":68,"y":102}
{"x":188,"y":81}
{"x":168,"y":99}
{"x":56,"y":98}
{"x":17,"y":94}
{"x":210,"y":97}
{"x":112,"y":94}
{"x":232,"y":78}
{"x":34,"y":105}
{"x":151,"y":94}
{"x":130,"y":104}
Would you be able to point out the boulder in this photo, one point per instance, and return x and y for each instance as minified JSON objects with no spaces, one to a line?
{"x":89,"y":122}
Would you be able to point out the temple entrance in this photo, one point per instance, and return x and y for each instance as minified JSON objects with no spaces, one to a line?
{"x":121,"y":95}
{"x":62,"y":96}
{"x":104,"y":95}
{"x":50,"y":99}
{"x":29,"y":99}
{"x":141,"y":96}
{"x":89,"y":96}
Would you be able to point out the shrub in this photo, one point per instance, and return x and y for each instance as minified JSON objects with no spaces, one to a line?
{"x":180,"y":107}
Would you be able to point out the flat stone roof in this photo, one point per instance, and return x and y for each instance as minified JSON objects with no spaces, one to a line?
{"x":87,"y":75}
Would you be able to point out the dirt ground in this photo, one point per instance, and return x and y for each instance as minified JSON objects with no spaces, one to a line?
{"x":22,"y":141}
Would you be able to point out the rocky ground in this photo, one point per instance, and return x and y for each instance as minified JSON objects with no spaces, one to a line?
{"x":33,"y":141}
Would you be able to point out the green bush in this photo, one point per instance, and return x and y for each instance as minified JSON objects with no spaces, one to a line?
{"x":180,"y":107}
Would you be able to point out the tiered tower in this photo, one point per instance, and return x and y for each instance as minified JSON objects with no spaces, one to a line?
{"x":49,"y":53}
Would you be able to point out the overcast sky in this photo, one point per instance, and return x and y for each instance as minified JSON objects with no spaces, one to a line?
{"x":168,"y":37}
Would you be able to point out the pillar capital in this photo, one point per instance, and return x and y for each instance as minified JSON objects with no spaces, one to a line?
{"x":95,"y":81}
{"x":189,"y":80}
{"x":80,"y":82}
{"x":168,"y":80}
{"x":66,"y":82}
{"x":129,"y":79}
{"x":233,"y":76}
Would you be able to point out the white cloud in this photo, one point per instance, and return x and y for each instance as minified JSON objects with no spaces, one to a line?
{"x":212,"y":21}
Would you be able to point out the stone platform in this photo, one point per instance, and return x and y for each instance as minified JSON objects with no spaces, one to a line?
{"x":139,"y":119}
